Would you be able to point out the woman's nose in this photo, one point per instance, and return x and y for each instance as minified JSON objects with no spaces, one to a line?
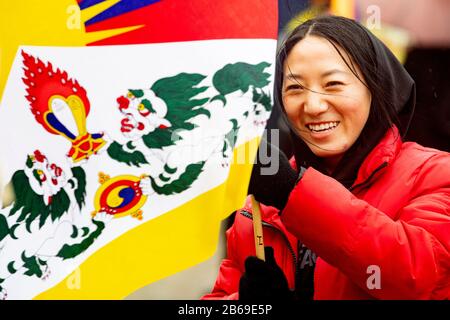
{"x":315,"y":103}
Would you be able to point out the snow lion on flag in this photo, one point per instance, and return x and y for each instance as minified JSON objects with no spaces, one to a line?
{"x":157,"y":121}
{"x":44,"y":221}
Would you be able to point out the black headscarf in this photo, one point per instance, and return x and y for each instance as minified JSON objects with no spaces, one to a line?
{"x":398,"y":88}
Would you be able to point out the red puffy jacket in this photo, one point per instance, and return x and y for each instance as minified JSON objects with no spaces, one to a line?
{"x":394,"y":224}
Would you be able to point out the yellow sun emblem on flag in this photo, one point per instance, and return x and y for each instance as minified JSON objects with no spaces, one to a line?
{"x":120,"y":196}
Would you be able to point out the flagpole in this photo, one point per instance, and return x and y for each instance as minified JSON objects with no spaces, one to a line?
{"x":257,"y":229}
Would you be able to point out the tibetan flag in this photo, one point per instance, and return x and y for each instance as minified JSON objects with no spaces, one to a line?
{"x":128,"y":131}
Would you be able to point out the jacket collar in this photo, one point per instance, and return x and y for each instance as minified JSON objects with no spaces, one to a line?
{"x":382,"y":155}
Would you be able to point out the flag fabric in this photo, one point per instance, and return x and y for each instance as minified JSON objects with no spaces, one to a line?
{"x":128,"y":131}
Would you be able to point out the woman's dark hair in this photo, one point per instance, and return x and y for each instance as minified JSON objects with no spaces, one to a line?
{"x":391,"y":87}
{"x":354,"y":39}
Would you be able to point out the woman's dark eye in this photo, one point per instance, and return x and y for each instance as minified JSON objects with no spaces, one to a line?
{"x":334,"y":84}
{"x":294,"y":87}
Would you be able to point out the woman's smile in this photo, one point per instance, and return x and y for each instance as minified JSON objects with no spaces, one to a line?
{"x":321,"y":130}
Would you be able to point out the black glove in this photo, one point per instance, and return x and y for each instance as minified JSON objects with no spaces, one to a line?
{"x":264,"y":280}
{"x":270,"y":183}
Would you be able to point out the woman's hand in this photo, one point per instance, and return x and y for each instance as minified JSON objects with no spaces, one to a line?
{"x":272,"y":178}
{"x":263,"y":280}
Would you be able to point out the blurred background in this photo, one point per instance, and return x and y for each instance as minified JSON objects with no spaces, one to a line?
{"x":418,"y":32}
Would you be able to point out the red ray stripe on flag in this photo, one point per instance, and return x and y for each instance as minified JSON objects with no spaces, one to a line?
{"x":178,"y":20}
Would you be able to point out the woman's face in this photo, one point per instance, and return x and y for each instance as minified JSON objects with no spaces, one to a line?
{"x":323,"y":99}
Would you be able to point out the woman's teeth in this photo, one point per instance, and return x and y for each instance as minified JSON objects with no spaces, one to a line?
{"x":323,"y":126}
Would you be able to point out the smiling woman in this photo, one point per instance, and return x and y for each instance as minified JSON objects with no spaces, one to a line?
{"x":346,"y":75}
{"x":327,"y":105}
{"x":357,"y":213}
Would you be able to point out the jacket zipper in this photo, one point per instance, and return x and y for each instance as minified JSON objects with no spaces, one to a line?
{"x":367,"y":181}
{"x":247,"y":214}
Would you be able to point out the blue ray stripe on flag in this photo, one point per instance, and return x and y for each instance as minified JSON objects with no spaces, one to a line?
{"x":119,"y":8}
{"x":89,"y":3}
